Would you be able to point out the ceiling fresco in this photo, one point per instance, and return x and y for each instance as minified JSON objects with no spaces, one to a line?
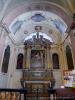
{"x":54,"y":16}
{"x":37,"y":17}
{"x":44,"y":19}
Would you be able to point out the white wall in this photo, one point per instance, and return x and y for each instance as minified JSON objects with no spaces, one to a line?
{"x":14,"y":74}
{"x":3,"y":80}
{"x":58,"y":78}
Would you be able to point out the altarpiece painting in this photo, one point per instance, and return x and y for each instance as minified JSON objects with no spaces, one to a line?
{"x":37,"y":58}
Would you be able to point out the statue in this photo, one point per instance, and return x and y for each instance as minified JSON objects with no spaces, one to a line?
{"x":52,"y":83}
{"x":22,"y":83}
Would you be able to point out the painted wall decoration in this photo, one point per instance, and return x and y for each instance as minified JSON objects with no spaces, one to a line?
{"x":16,"y":26}
{"x":59,"y":25}
{"x":38,"y":17}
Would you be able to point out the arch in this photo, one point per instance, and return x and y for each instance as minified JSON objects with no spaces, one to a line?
{"x":55,"y":59}
{"x":19,"y":61}
{"x":30,"y":6}
{"x":69,"y":58}
{"x":6,"y":60}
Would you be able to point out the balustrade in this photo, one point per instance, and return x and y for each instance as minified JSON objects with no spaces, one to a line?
{"x":13,"y":94}
{"x":50,"y":94}
{"x":23,"y":94}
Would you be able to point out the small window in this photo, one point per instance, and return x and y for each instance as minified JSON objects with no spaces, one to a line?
{"x":69,"y":58}
{"x":6,"y":60}
{"x":55,"y":59}
{"x":20,"y":61}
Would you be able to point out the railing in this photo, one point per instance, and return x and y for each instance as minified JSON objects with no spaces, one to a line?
{"x":50,"y":94}
{"x":65,"y":94}
{"x":22,"y":94}
{"x":13,"y":94}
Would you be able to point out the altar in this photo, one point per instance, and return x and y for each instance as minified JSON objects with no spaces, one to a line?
{"x":37,"y":79}
{"x":37,"y":72}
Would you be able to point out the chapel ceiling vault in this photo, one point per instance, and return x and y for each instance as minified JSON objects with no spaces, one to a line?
{"x":22,"y":16}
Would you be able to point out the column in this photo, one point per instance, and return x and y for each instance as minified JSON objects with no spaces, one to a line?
{"x":62,"y":62}
{"x":62,"y":59}
{"x":2,"y":46}
{"x":45,"y":58}
{"x":71,"y":33}
{"x":72,"y":37}
{"x":25,"y":58}
{"x":48,"y":58}
{"x":28,"y":58}
{"x":12,"y":67}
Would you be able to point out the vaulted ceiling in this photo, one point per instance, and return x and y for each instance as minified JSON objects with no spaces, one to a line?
{"x":22,"y":16}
